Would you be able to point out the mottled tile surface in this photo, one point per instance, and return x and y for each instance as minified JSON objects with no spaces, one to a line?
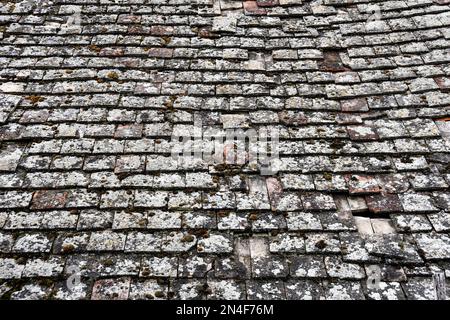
{"x":97,"y":200}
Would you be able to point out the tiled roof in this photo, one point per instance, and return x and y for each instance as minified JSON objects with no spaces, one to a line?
{"x":97,"y":200}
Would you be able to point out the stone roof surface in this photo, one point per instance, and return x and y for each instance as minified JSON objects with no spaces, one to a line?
{"x":93,"y":204}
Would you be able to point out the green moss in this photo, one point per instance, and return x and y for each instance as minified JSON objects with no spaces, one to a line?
{"x":328,"y":176}
{"x":108,"y":262}
{"x":112,"y":75}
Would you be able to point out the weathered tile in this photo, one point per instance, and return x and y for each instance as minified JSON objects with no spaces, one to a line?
{"x":108,"y":129}
{"x":265,"y":290}
{"x":386,"y":291}
{"x":32,"y":243}
{"x":147,"y":290}
{"x":304,"y":290}
{"x":111,"y":289}
{"x":344,"y":290}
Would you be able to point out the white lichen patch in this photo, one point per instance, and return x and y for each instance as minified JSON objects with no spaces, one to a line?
{"x":287,"y":243}
{"x":163,"y":220}
{"x":43,"y":268}
{"x":31,"y":292}
{"x":159,"y":267}
{"x":386,"y":291}
{"x":10,"y":268}
{"x":298,"y":221}
{"x":225,"y":290}
{"x":215,"y":243}
{"x":233,"y":221}
{"x":32,"y":243}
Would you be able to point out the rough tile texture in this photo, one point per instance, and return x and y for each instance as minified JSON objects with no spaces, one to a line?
{"x":93,"y":204}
